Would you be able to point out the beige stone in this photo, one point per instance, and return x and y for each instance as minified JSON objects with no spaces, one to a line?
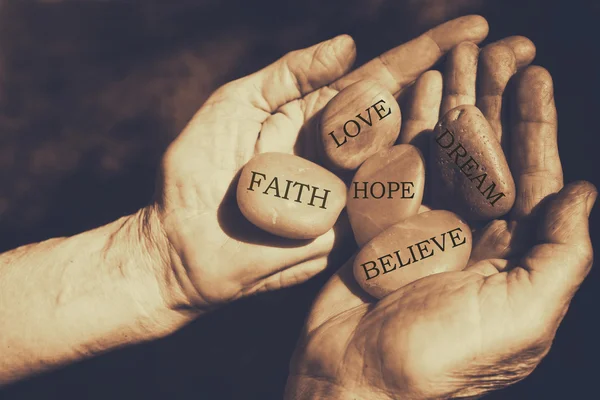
{"x":386,"y":189}
{"x":424,"y":244}
{"x":290,"y":196}
{"x":358,"y":122}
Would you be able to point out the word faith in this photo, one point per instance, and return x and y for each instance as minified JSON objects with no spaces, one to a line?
{"x":291,"y":188}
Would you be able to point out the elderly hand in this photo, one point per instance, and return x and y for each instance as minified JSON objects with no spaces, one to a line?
{"x":464,"y":334}
{"x":211,"y":253}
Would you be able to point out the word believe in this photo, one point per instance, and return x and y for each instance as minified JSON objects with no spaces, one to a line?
{"x":290,"y":188}
{"x":352,"y":128}
{"x":459,"y":152}
{"x":401,"y":260}
{"x":378,"y":189}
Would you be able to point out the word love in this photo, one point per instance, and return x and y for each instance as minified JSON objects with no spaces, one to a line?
{"x":296,"y":187}
{"x":421,"y":245}
{"x":289,"y":196}
{"x":377,"y":190}
{"x":352,"y":128}
{"x":469,"y":172}
{"x":359,"y":121}
{"x":416,"y":252}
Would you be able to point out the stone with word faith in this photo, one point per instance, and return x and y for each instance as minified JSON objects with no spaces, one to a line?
{"x":290,"y":196}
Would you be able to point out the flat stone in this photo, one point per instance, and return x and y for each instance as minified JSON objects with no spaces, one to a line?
{"x":386,"y":189}
{"x":290,"y":196}
{"x":424,"y":244}
{"x":358,"y":122}
{"x":470,"y":174}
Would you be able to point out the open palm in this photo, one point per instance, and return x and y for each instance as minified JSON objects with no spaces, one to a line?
{"x":463,"y":334}
{"x":216,"y":255}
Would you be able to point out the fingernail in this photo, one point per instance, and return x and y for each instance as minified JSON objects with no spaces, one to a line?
{"x":591,"y":199}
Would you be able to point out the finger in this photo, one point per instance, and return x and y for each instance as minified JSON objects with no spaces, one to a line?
{"x":523,"y":48}
{"x":422,"y":111}
{"x":460,"y":76}
{"x":493,"y":241}
{"x":284,"y":256}
{"x":559,"y":265}
{"x":535,"y":162}
{"x":297,"y":74}
{"x":488,"y":267}
{"x":340,"y":294}
{"x":497,"y":64}
{"x":397,"y":68}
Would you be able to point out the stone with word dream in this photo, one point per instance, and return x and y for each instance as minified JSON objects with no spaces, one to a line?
{"x":290,"y":196}
{"x":358,"y":122}
{"x":387,"y":188}
{"x":469,"y":172}
{"x":422,"y":245}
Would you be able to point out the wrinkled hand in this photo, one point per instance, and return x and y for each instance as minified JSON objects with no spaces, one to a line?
{"x":463,"y":334}
{"x":213,"y":255}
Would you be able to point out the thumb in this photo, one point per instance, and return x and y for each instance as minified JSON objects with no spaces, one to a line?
{"x":565,"y":256}
{"x":340,"y":294}
{"x":298,"y":73}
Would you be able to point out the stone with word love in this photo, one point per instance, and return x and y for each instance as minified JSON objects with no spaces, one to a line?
{"x":387,"y":188}
{"x":290,"y":196}
{"x":358,"y":122}
{"x":470,"y":175}
{"x":422,"y":245}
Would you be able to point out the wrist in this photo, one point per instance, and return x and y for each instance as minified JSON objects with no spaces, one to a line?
{"x":157,"y":257}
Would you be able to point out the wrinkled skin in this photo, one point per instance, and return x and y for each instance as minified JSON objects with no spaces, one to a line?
{"x":463,"y":334}
{"x":212,"y":255}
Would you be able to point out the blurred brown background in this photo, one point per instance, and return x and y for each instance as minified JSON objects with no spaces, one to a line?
{"x":91,"y":93}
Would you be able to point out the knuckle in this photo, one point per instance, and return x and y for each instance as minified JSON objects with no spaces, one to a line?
{"x":464,"y":49}
{"x":537,"y":77}
{"x":497,"y":53}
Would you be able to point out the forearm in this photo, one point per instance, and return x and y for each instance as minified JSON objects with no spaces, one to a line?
{"x":70,"y":298}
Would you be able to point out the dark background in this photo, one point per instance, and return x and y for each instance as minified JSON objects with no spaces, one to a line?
{"x":91,"y":93}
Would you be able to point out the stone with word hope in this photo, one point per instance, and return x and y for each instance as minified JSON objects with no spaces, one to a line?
{"x":470,"y":175}
{"x":422,"y":245}
{"x":290,"y":196}
{"x":358,"y":122}
{"x":387,"y":188}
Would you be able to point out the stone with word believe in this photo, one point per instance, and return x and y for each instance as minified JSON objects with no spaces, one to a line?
{"x":470,"y":175}
{"x":290,"y":196}
{"x":422,"y":245}
{"x":358,"y":122}
{"x":387,"y":188}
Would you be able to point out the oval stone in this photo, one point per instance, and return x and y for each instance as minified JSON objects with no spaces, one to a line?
{"x":422,"y":245}
{"x":358,"y":122}
{"x":386,"y":189}
{"x":290,"y":196}
{"x":469,"y":172}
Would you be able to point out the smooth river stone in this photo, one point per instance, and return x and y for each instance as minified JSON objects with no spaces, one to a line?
{"x":469,"y":172}
{"x":397,"y":176}
{"x":358,"y":122}
{"x":422,"y":245}
{"x":290,"y":196}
